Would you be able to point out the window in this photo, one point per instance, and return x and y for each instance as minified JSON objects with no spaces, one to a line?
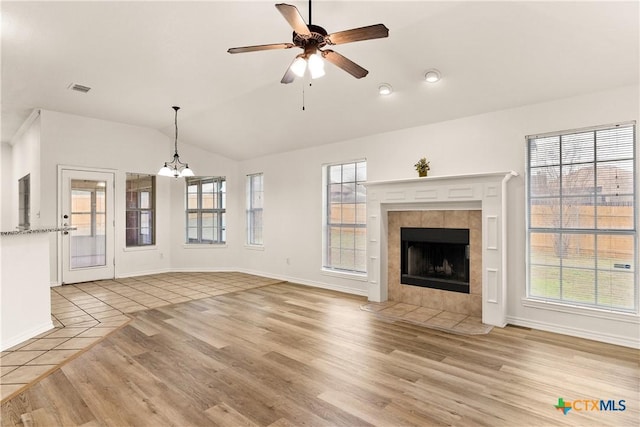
{"x":346,"y":219}
{"x":140,"y":210}
{"x":581,"y":218}
{"x":24,"y":198}
{"x":206,"y":205}
{"x":255,"y":194}
{"x":88,"y":207}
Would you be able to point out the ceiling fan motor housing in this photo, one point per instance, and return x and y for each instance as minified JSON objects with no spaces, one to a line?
{"x":317,"y":38}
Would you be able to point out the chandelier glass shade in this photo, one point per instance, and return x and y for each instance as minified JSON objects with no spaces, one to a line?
{"x":175,"y":167}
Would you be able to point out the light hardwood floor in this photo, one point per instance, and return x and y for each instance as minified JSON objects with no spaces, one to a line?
{"x":84,"y":313}
{"x":289,"y":355}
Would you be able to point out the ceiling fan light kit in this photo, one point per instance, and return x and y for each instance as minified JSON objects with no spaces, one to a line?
{"x":316,"y":66}
{"x":311,"y":39}
{"x":299,"y":66}
{"x":175,"y":167}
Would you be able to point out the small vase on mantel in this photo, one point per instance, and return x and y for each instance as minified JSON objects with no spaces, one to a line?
{"x":422,"y":167}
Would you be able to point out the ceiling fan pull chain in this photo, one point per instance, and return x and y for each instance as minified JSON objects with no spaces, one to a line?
{"x":310,"y":84}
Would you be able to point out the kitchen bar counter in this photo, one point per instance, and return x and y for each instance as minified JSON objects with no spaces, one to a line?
{"x":25,"y":294}
{"x":35,"y":231}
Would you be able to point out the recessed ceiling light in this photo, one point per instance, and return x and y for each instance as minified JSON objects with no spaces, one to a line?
{"x":79,"y":88}
{"x":432,"y":75}
{"x":385,"y":89}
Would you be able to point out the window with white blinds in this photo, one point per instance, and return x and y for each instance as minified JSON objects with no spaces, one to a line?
{"x":206,"y":217}
{"x":345,"y":242}
{"x":255,"y":206}
{"x":581,"y":218}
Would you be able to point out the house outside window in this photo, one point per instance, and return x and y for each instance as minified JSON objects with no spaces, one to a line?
{"x":582,"y":224}
{"x":206,"y":210}
{"x":345,"y":217}
{"x":255,"y":201}
{"x":140,"y":209}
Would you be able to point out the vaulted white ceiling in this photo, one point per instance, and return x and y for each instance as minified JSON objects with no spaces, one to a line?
{"x":142,"y":57}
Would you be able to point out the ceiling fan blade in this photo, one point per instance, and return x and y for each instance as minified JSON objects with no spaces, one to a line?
{"x":261,"y":47}
{"x":346,"y":64}
{"x":377,"y":31}
{"x":293,"y":17}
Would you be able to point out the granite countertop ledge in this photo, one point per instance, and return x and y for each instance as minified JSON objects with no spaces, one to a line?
{"x":37,"y":230}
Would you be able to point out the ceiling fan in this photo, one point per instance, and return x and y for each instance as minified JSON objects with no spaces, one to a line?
{"x":311,"y":39}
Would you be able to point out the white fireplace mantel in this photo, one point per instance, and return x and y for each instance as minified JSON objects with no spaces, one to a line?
{"x":485,"y":191}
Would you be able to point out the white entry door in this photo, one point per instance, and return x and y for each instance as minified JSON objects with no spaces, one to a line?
{"x":87,"y":203}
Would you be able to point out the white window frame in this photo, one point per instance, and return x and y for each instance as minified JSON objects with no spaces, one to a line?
{"x":570,"y":305}
{"x":24,"y":201}
{"x":219,"y":237}
{"x":252,"y":209}
{"x":326,"y":226}
{"x":139,"y":211}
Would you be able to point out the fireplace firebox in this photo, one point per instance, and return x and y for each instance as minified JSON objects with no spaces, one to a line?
{"x":435,"y":258}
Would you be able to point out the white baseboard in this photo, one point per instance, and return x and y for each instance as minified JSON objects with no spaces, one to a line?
{"x":312,"y":283}
{"x":144,"y":273}
{"x":317,"y":284}
{"x":202,"y":270}
{"x":15,"y":340}
{"x":610,"y":338}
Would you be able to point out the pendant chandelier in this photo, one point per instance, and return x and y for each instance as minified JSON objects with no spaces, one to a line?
{"x":175,"y":167}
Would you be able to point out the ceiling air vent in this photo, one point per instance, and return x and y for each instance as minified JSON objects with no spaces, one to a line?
{"x":79,"y":88}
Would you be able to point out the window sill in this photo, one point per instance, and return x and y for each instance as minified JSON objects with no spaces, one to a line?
{"x":205,"y":246}
{"x":140,"y":248}
{"x":254,"y":247}
{"x":362,"y":277}
{"x":581,"y":311}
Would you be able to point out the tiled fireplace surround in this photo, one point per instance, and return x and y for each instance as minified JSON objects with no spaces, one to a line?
{"x":469,"y":304}
{"x":475,"y":201}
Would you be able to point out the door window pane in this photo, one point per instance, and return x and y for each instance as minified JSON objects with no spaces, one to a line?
{"x":87,"y":244}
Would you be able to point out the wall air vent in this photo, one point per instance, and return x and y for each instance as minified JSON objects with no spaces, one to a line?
{"x":79,"y":88}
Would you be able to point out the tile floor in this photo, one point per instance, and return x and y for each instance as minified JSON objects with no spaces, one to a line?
{"x":437,"y":319}
{"x":84,"y":313}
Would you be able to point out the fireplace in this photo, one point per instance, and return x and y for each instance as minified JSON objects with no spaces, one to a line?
{"x":477,"y":202}
{"x":436,"y":258}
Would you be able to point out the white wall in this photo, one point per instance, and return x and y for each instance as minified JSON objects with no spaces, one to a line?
{"x":76,"y":141}
{"x":25,"y":159}
{"x":206,"y":257}
{"x":483,"y":143}
{"x":293,"y":192}
{"x":6,"y":183}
